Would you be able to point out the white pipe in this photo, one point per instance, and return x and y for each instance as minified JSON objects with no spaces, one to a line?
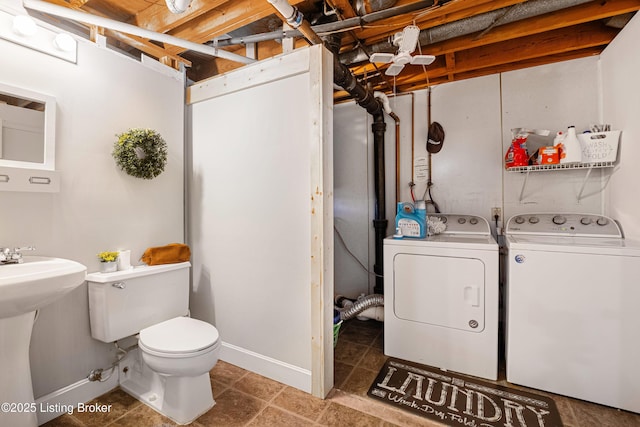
{"x":374,"y":313}
{"x":290,"y":13}
{"x":111,"y":24}
{"x":385,"y":101}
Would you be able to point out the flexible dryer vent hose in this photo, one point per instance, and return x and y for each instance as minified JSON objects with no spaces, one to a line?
{"x":361,"y":305}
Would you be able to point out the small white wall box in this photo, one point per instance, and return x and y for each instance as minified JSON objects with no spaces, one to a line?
{"x":599,"y":146}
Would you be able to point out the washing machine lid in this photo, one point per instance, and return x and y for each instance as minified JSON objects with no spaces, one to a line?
{"x":449,"y":241}
{"x":179,"y":335}
{"x":585,"y":245}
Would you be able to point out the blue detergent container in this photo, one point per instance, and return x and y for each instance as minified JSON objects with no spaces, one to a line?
{"x":411,"y":219}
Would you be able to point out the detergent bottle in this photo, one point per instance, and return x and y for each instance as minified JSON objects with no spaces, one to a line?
{"x":571,"y":151}
{"x":411,"y":219}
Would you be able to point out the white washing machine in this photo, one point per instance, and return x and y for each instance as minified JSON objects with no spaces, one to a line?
{"x":573,"y":322}
{"x":441,"y":298}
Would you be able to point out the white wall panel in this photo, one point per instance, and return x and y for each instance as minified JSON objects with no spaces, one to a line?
{"x":621,"y":108}
{"x":254,"y":221}
{"x":466,"y":171}
{"x":98,"y":206}
{"x":552,"y":97}
{"x":351,"y":195}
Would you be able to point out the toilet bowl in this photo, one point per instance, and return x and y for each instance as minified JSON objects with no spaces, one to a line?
{"x":169,"y":369}
{"x":181,"y":351}
{"x":180,"y":347}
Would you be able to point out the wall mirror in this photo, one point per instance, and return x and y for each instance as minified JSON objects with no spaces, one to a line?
{"x":27,"y":129}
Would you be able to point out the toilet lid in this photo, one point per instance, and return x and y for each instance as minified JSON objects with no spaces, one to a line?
{"x":179,"y":335}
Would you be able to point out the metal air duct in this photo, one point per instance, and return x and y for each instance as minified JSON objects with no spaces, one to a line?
{"x":482,"y":22}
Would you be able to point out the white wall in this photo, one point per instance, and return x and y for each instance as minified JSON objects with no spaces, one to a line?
{"x":465,"y":173}
{"x":352,"y":218}
{"x":552,"y":97}
{"x":261,"y":216}
{"x":98,"y":207}
{"x":468,"y":173}
{"x":621,"y":108}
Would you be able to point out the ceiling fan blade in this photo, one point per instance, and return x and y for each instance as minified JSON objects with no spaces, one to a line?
{"x":409,"y":40}
{"x":383,"y":58}
{"x":394,"y":69}
{"x":422,"y":59}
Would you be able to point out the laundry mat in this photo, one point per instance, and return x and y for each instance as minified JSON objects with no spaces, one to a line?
{"x":458,"y":400}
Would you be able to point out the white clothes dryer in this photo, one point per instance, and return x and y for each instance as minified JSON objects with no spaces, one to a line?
{"x":441,"y":298}
{"x":572,"y":316}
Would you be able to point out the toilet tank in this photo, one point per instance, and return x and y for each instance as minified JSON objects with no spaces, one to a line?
{"x":124,"y":302}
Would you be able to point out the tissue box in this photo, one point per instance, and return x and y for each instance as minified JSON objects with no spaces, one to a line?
{"x":599,"y":146}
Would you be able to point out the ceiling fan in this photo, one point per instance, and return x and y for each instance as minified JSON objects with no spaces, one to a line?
{"x":406,"y":41}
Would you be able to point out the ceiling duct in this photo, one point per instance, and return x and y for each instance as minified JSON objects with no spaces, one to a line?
{"x":337,"y":26}
{"x":364,"y":7}
{"x":482,"y":22}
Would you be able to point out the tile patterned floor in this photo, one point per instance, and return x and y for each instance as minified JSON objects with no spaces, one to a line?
{"x":247,"y":399}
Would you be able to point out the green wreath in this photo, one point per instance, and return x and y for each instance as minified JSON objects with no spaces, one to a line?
{"x":141,"y":153}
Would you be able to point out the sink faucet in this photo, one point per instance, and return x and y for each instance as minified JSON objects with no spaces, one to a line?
{"x":9,"y":256}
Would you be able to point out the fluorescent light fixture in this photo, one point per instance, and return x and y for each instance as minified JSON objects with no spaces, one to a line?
{"x":24,"y":25}
{"x":64,"y":42}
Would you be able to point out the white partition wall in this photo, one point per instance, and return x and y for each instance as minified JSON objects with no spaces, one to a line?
{"x":620,"y":63}
{"x":261,"y":216}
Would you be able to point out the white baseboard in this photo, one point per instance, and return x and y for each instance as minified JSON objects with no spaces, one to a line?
{"x":67,"y":398}
{"x":277,"y":370}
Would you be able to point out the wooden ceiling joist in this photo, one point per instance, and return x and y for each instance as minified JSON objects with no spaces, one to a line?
{"x":565,"y":34}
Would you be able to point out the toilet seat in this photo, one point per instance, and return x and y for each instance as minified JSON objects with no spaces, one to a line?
{"x":179,"y":337}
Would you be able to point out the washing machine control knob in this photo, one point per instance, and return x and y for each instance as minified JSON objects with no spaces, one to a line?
{"x":473,"y":221}
{"x":602,"y":221}
{"x":559,"y":220}
{"x":462,"y":220}
{"x":534,"y":220}
{"x":519,"y":220}
{"x":585,"y":221}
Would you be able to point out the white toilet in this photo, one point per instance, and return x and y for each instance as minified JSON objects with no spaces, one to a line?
{"x":169,"y":370}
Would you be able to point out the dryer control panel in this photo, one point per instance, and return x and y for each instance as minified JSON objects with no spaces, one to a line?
{"x":463,"y":224}
{"x":563,"y":224}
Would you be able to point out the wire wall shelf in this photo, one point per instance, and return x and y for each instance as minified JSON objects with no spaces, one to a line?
{"x":566,"y":166}
{"x":561,"y":166}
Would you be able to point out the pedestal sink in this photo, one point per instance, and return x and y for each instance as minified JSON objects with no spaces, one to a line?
{"x":24,"y":288}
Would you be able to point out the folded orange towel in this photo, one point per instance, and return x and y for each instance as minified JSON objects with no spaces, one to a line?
{"x":169,"y":254}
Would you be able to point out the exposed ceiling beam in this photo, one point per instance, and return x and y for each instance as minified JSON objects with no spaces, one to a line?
{"x":75,"y":15}
{"x":224,"y":19}
{"x":448,"y":12}
{"x":144,"y":45}
{"x":510,"y":66}
{"x":158,"y":17}
{"x":551,"y":21}
{"x":559,"y":41}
